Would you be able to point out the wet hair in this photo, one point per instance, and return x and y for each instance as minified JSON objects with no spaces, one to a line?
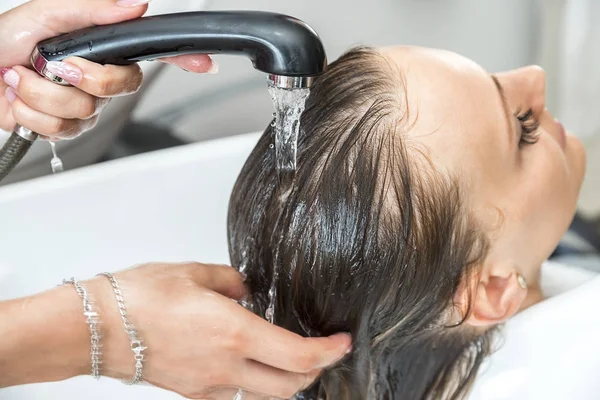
{"x":371,"y":239}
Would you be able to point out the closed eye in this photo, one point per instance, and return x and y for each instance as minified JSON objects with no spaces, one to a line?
{"x":529,"y":127}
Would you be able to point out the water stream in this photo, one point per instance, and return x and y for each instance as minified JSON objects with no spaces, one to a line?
{"x":288,"y":106}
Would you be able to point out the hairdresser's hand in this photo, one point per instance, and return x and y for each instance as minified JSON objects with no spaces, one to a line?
{"x":202,"y":344}
{"x":66,"y":112}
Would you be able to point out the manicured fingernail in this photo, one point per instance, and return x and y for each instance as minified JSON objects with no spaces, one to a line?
{"x":214,"y":68}
{"x":349,"y":349}
{"x":132,"y":3}
{"x":11,"y":78}
{"x":10,"y":94}
{"x":68,"y":72}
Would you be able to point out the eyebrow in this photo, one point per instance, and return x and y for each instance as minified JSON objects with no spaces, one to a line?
{"x":507,"y":113}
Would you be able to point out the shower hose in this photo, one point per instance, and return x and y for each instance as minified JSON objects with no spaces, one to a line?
{"x":12,"y":152}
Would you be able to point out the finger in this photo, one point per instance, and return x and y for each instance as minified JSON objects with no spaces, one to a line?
{"x":98,"y":80}
{"x":7,"y":121}
{"x":44,"y":19}
{"x":45,"y":124}
{"x":282,"y":349}
{"x":199,"y":63}
{"x":272,"y":382}
{"x":219,"y":278}
{"x":88,"y":13}
{"x":50,"y":98}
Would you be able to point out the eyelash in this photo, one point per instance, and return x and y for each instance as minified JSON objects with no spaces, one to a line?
{"x":529,"y":127}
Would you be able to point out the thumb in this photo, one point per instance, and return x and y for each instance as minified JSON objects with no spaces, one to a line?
{"x":22,"y":28}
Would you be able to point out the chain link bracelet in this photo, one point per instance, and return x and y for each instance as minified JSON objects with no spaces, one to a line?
{"x":92,"y":321}
{"x":135,"y":342}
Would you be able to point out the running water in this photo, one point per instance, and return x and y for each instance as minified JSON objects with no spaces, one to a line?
{"x":55,"y":162}
{"x":288,"y":106}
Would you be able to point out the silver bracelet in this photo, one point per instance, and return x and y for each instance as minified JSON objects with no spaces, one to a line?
{"x":135,"y":342}
{"x":92,"y":321}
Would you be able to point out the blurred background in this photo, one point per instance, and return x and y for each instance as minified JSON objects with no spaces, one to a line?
{"x":176,"y":107}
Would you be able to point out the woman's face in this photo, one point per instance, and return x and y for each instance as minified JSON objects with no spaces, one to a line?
{"x":469,"y":122}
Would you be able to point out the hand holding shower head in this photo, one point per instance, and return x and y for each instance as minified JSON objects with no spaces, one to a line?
{"x":285,"y":48}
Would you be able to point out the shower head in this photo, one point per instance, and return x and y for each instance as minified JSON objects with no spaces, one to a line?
{"x":285,"y":48}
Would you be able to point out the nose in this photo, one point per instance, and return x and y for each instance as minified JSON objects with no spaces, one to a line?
{"x":534,"y":79}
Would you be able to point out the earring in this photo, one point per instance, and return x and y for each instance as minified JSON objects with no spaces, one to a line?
{"x":522,"y":281}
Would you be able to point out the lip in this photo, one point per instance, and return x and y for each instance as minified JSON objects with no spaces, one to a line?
{"x":562,"y":134}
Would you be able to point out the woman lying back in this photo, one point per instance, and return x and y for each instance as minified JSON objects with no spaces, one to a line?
{"x":427,"y":195}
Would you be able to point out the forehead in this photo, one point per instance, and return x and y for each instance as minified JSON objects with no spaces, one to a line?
{"x":453,"y":101}
{"x":439,"y":76}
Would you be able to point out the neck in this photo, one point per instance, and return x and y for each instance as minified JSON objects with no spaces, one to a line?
{"x":534,"y":290}
{"x":534,"y":296}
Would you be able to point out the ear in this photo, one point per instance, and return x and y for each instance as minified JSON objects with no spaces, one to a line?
{"x":496,"y":295}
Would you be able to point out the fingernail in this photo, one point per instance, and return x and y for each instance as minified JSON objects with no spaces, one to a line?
{"x":349,"y":349}
{"x":3,"y":71}
{"x":68,"y":72}
{"x":327,"y":361}
{"x":10,"y":94}
{"x":132,"y":3}
{"x":214,"y":68}
{"x":242,"y":272}
{"x":11,"y":78}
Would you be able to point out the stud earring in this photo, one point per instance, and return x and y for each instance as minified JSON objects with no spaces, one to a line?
{"x":522,"y":281}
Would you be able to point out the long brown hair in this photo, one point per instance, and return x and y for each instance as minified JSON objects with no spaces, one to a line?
{"x":371,"y":240}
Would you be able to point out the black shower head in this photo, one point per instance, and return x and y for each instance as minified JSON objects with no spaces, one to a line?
{"x":284,"y":47}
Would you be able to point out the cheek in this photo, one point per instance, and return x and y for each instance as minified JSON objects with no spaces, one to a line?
{"x":555,"y":174}
{"x":548,"y":189}
{"x":534,"y":193}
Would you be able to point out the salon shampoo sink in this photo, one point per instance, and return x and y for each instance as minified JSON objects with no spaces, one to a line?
{"x":170,"y":205}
